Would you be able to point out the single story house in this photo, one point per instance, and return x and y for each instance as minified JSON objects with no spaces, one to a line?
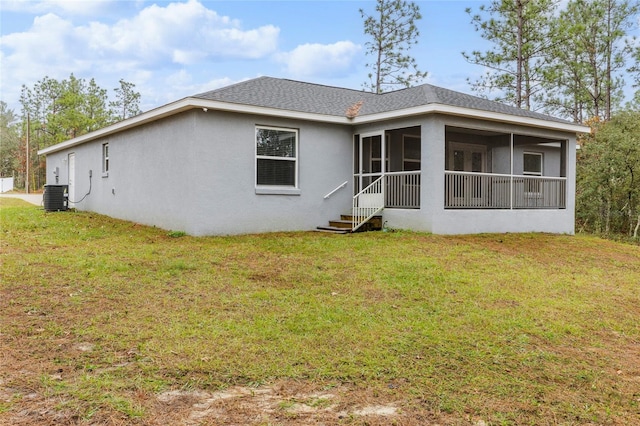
{"x":272,"y":154}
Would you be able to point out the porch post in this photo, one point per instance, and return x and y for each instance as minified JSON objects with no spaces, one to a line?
{"x":511,"y":175}
{"x":383,"y":170}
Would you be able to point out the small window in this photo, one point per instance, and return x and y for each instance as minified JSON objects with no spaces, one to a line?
{"x":532,"y":163}
{"x":276,"y":157}
{"x":105,"y":158}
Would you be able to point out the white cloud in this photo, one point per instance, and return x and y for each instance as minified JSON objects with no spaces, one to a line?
{"x":183,"y":33}
{"x":182,"y":84}
{"x":248,"y":44}
{"x":320,"y":60}
{"x":176,"y":86}
{"x":64,"y":7}
{"x":50,"y":46}
{"x":180,"y":33}
{"x":155,"y":40}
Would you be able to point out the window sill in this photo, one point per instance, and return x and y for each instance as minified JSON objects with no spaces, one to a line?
{"x":105,"y":175}
{"x":278,"y":191}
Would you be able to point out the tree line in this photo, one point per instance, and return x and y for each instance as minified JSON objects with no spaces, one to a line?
{"x":54,"y":111}
{"x":566,"y":62}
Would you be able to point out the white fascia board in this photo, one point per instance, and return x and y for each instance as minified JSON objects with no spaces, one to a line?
{"x":275,"y":112}
{"x":473,"y":113}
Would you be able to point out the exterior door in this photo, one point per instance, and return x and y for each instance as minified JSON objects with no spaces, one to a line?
{"x":368,"y":159}
{"x":468,"y":158}
{"x":71,"y":163}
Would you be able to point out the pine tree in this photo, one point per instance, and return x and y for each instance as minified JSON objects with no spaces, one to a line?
{"x":521,"y":31}
{"x":62,"y":110}
{"x":393,"y":32}
{"x":585,"y":80}
{"x":127,"y":103}
{"x":9,"y":141}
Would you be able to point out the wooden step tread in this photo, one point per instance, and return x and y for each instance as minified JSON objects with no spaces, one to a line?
{"x":333,"y":229}
{"x":341,"y":224}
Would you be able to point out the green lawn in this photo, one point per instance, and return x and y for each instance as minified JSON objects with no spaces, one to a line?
{"x":98,"y":317}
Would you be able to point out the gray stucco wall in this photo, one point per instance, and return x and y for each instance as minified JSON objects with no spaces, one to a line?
{"x":195,"y":172}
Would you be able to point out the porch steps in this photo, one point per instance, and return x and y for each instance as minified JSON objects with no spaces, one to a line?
{"x":345,"y":223}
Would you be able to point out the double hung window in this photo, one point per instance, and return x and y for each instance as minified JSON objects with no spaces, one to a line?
{"x":276,"y":157}
{"x":105,"y":158}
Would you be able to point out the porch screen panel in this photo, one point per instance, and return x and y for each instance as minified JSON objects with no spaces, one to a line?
{"x":411,"y":157}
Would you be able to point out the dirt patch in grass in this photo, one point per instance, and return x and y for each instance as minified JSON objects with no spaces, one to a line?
{"x":280,"y":403}
{"x":283,"y":402}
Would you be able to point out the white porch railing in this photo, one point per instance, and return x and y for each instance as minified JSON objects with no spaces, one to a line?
{"x":500,"y":191}
{"x":403,"y":190}
{"x":367,"y":203}
{"x":539,"y":192}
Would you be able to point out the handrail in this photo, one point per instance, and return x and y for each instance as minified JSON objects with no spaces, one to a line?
{"x":339,"y":187}
{"x":361,"y":214}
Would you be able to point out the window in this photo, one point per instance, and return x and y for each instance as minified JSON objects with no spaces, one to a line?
{"x":276,"y":157}
{"x":376,"y":155}
{"x":532,"y":163}
{"x":105,"y":158}
{"x":411,"y":153}
{"x":532,"y":166}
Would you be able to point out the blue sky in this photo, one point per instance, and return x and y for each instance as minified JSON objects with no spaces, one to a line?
{"x":173,"y":49}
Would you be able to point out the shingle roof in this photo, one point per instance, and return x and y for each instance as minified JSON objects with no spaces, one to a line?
{"x":299,"y":96}
{"x":334,"y":103}
{"x":289,"y":95}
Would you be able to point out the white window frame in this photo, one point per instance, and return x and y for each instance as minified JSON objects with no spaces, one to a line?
{"x":277,"y":189}
{"x":105,"y":159}
{"x":530,"y":173}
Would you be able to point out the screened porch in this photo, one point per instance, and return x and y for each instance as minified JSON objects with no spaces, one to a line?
{"x":492,"y":170}
{"x":396,"y":174}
